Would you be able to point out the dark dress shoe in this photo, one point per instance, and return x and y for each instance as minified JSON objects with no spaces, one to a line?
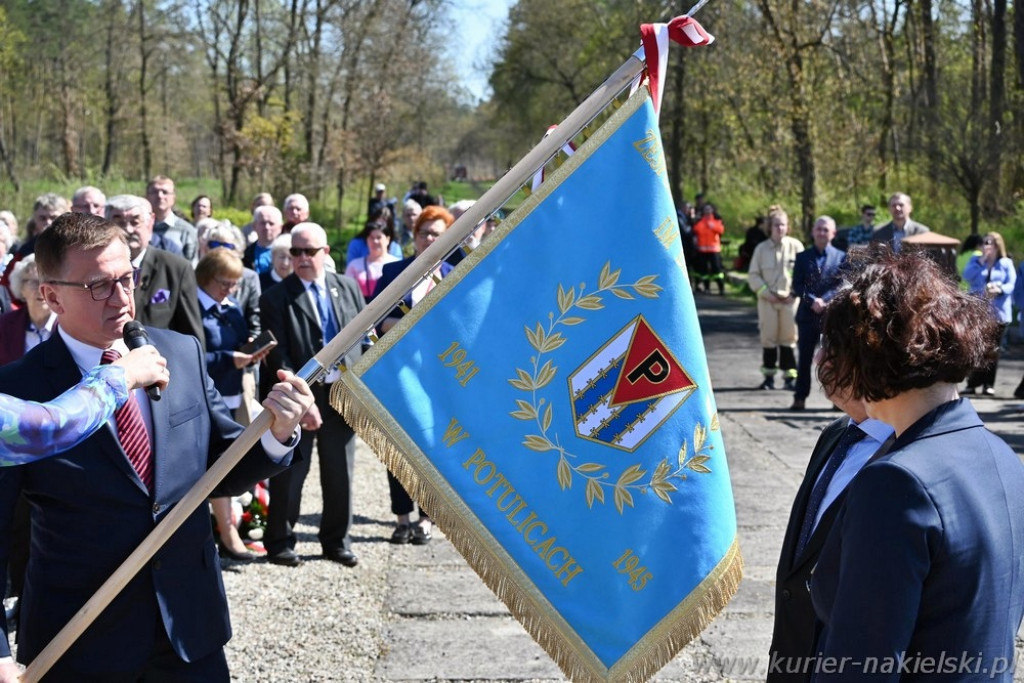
{"x":342,"y":556}
{"x":1019,"y":391}
{"x":969,"y":391}
{"x":285,"y":558}
{"x":798,"y":404}
{"x":420,"y":536}
{"x":768,"y":384}
{"x":401,"y":535}
{"x":229,"y":554}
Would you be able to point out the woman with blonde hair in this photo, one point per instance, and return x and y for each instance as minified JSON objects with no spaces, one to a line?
{"x":991,"y":276}
{"x":771,"y":278}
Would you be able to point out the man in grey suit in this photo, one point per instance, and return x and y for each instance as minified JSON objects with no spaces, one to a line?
{"x":166,"y":292}
{"x":901,"y":224}
{"x":171,"y":227}
{"x":304,"y":312}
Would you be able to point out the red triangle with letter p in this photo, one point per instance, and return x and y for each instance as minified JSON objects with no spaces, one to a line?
{"x":650,"y":370}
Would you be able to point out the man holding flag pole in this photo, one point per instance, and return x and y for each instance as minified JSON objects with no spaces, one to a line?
{"x":598,"y":410}
{"x":96,"y":502}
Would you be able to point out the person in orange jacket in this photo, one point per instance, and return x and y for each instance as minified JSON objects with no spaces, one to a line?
{"x":708,"y":235}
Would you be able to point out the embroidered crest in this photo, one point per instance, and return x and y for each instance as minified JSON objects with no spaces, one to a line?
{"x":628,"y":388}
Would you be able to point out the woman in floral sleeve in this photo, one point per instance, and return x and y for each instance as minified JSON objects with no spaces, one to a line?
{"x":31,"y":431}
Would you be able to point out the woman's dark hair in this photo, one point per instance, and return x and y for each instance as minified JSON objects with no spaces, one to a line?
{"x":370,"y":226}
{"x":900,"y":323}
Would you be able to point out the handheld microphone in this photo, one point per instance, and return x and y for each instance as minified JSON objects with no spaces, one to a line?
{"x":135,"y":337}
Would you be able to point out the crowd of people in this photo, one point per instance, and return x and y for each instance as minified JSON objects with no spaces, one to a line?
{"x":893,"y":550}
{"x":233,"y":312}
{"x":224,"y":288}
{"x":793,"y":283}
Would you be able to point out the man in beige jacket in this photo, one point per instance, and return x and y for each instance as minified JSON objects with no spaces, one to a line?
{"x":771,"y":278}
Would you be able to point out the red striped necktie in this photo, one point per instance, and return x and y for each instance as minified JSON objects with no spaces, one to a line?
{"x":131,"y":431}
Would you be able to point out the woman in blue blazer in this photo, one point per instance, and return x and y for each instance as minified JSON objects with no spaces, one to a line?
{"x":990,"y":275}
{"x":921,"y":575}
{"x":217,"y":276}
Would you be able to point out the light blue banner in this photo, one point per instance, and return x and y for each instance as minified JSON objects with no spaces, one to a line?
{"x":553,"y":396}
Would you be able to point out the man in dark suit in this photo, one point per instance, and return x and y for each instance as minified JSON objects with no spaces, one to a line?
{"x":901,"y":225}
{"x":304,"y":311}
{"x":815,"y":278}
{"x":843,"y":448}
{"x":165,"y":295}
{"x":94,"y":504}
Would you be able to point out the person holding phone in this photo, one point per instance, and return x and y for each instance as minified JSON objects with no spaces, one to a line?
{"x":226,"y":331}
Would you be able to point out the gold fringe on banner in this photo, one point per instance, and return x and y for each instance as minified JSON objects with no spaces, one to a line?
{"x":501,"y":574}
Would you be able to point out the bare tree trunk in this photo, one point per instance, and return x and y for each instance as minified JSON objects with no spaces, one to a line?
{"x":6,"y":159}
{"x":1018,"y":42}
{"x":803,"y":145}
{"x":236,"y":98}
{"x":110,"y":90}
{"x":351,"y":84}
{"x":69,"y":135}
{"x":930,"y":75}
{"x":887,"y":138}
{"x":147,"y":152}
{"x":293,"y":21}
{"x":997,"y":86}
{"x":979,"y":40}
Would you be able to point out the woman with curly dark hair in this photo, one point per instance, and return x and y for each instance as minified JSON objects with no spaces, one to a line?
{"x":924,"y":559}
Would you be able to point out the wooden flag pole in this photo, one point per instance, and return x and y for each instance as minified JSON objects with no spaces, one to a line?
{"x":330,"y":355}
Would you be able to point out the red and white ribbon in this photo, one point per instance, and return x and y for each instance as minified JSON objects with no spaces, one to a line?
{"x":655,"y":38}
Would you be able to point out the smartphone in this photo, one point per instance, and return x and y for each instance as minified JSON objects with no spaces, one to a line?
{"x":264,"y":342}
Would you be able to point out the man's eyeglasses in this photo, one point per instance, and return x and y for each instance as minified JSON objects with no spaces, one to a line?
{"x":308,"y":251}
{"x":213,"y":244}
{"x":104,"y":289}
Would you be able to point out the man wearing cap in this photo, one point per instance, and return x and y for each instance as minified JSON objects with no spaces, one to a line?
{"x":378,"y":202}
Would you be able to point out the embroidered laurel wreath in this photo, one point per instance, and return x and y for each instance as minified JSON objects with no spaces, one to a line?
{"x":572,"y":305}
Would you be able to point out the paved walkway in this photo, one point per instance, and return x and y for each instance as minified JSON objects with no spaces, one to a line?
{"x":431,"y":619}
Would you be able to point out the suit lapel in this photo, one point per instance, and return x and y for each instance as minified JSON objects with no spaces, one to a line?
{"x":828,"y":517}
{"x":299,"y":298}
{"x":145,"y":280}
{"x":818,"y":459}
{"x":334,"y":288}
{"x":160,"y":414}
